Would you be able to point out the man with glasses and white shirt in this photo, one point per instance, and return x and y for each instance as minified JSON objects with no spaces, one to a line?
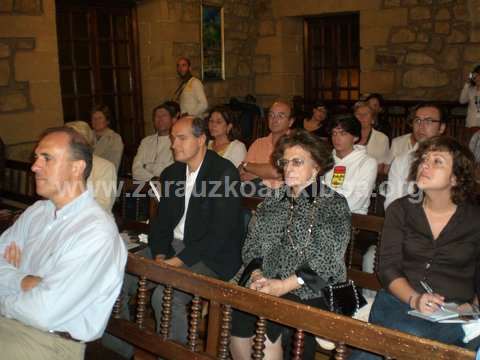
{"x":427,"y":121}
{"x":257,"y":163}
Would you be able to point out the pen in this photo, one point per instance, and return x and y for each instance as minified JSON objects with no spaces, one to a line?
{"x":429,"y":290}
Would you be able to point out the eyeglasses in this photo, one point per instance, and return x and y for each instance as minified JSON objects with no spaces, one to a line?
{"x":425,"y":121}
{"x":296,"y":162}
{"x":280,"y":115}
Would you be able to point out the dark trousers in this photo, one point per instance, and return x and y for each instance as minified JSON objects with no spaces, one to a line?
{"x":390,"y":312}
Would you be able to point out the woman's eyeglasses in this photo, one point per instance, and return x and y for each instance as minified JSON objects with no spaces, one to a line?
{"x":296,"y":162}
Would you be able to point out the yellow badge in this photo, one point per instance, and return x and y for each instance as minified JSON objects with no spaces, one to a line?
{"x":338,"y":176}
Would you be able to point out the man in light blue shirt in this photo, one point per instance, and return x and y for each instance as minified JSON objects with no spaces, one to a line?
{"x":63,"y":259}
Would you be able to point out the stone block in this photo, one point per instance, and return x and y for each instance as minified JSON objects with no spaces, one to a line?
{"x":373,"y":36}
{"x":31,"y":7}
{"x":266,"y":28}
{"x":190,"y":12}
{"x":471,"y":53}
{"x":269,"y":84}
{"x":419,"y":13}
{"x":460,"y":12}
{"x":292,"y":26}
{"x":13,"y":101}
{"x":28,"y":63}
{"x":423,"y":37}
{"x":383,"y":18}
{"x":424,"y":77}
{"x":475,"y":35}
{"x":409,"y":2}
{"x":391,"y":3}
{"x":269,"y":45}
{"x":442,"y":27}
{"x":377,"y":81}
{"x":415,"y":58}
{"x":4,"y":72}
{"x":436,"y":44}
{"x":457,"y":36}
{"x":6,"y":6}
{"x":386,"y":60}
{"x":261,"y":64}
{"x":450,"y":59}
{"x":184,"y":32}
{"x":367,"y":59}
{"x":153,"y":11}
{"x":402,"y":35}
{"x":244,"y":69}
{"x":25,"y":44}
{"x":189,"y":50}
{"x":417,"y":47}
{"x":4,"y":50}
{"x":443,"y":14}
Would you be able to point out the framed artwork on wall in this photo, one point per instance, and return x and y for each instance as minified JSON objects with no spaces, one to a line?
{"x":212,"y":42}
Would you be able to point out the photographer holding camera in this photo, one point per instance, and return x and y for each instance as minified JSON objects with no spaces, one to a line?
{"x":471,"y":94}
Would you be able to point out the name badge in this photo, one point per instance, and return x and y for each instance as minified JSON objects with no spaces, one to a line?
{"x":338,"y":176}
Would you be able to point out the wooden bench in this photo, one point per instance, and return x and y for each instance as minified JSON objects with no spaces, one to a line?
{"x":19,"y":183}
{"x":222,"y":297}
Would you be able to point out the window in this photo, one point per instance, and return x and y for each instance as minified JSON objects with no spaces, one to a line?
{"x":332,"y":65}
{"x":99,"y":63}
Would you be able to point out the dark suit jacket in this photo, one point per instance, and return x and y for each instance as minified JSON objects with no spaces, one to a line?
{"x":213,"y":225}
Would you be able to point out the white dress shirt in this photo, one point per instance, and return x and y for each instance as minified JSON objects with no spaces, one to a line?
{"x":80,"y":257}
{"x":378,"y":146}
{"x":153,"y":155}
{"x":398,"y":184}
{"x":179,"y":230}
{"x":400,"y":144}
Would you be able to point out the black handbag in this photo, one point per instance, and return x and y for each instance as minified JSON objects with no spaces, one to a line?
{"x":344,"y":298}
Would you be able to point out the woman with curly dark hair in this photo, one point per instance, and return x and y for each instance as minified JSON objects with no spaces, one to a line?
{"x":430,"y":247}
{"x":296,"y":244}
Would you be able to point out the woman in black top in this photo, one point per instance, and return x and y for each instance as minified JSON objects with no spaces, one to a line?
{"x":434,"y":239}
{"x":318,"y":123}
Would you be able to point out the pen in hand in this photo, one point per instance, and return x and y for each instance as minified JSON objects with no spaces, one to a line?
{"x":429,"y":290}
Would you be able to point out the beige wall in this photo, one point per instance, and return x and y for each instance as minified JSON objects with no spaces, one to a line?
{"x":410,"y":49}
{"x":171,"y":28}
{"x":29,"y":78}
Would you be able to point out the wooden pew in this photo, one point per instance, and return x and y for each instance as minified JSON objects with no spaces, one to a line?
{"x":19,"y":183}
{"x":224,"y":296}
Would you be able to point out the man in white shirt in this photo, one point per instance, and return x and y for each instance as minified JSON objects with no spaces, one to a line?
{"x":190,"y":92}
{"x":154,"y":153}
{"x":62,"y":261}
{"x":427,"y":121}
{"x":199,"y":224}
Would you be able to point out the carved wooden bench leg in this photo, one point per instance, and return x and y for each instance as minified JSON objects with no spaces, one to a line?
{"x":166,"y":312}
{"x":341,"y":351}
{"x":259,"y":339}
{"x":298,"y":344}
{"x":117,"y":307}
{"x":193,"y":337}
{"x":223,"y":353}
{"x":141,"y":301}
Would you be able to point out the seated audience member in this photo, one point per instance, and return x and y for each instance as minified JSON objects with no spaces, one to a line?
{"x":222,"y":129}
{"x":257,"y":164}
{"x":354,"y":172}
{"x":400,"y":145}
{"x":62,"y":262}
{"x":176,"y":109}
{"x":154,"y":153}
{"x":435,"y":240}
{"x":102,"y":181}
{"x":195,"y":229}
{"x":427,"y":121}
{"x":381,"y":123}
{"x":303,"y":228}
{"x":376,"y":142}
{"x":318,"y":123}
{"x":108,"y":144}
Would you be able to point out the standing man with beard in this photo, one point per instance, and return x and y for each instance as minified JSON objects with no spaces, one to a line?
{"x":190,"y":92}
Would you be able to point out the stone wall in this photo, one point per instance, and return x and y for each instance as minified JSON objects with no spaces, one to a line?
{"x":29,"y":81}
{"x":169,"y":29}
{"x":410,"y":49}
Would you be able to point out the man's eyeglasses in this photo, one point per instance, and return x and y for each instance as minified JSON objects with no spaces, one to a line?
{"x":296,"y":162}
{"x":424,"y":121}
{"x":280,"y":115}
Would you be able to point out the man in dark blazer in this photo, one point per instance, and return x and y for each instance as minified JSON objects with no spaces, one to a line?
{"x":199,"y":223}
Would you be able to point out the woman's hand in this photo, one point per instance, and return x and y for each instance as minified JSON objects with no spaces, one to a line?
{"x":428,"y":303}
{"x":275,"y":287}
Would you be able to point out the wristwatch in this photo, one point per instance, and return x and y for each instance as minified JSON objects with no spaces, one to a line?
{"x":300,"y":281}
{"x":244,"y":165}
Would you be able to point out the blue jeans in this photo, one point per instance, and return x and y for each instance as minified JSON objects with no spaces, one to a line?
{"x":390,"y":312}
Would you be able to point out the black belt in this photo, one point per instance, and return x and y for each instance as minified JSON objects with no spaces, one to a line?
{"x":65,"y":335}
